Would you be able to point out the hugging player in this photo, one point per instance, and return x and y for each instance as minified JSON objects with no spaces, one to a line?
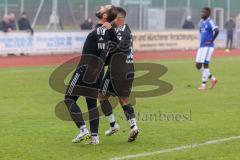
{"x":88,"y":75}
{"x":119,"y":76}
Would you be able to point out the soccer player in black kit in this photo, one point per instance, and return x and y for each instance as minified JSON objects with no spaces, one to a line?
{"x":119,"y":76}
{"x":89,"y":75}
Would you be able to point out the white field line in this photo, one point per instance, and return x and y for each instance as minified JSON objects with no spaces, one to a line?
{"x":181,"y":148}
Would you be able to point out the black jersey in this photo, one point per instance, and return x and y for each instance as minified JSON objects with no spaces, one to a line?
{"x":96,"y":42}
{"x":119,"y":77}
{"x":124,"y":44}
{"x":124,"y":36}
{"x":95,"y":51}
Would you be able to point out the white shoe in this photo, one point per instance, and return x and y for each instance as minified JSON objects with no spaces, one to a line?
{"x":93,"y":141}
{"x":213,"y":83}
{"x":112,"y":130}
{"x":83,"y":135}
{"x":202,"y":87}
{"x":133,"y":134}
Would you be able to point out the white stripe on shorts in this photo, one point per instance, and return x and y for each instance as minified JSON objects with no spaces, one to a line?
{"x":105,"y":86}
{"x":72,"y":85}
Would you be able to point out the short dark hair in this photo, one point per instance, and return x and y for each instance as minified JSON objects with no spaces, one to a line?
{"x":24,"y":13}
{"x":112,"y":13}
{"x":121,"y":11}
{"x":207,"y":9}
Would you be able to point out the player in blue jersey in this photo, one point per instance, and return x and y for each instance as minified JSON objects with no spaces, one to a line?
{"x":208,"y":33}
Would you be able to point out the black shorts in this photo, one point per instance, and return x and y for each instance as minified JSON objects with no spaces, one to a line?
{"x":80,"y":85}
{"x":116,"y":87}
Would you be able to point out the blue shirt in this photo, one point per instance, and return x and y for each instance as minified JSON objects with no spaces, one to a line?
{"x":206,"y":28}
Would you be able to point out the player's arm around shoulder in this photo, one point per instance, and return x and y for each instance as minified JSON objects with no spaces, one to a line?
{"x":111,"y":31}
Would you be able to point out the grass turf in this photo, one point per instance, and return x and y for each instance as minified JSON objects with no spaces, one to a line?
{"x":30,"y":129}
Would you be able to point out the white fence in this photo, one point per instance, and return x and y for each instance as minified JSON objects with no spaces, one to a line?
{"x":41,"y":43}
{"x":70,"y":42}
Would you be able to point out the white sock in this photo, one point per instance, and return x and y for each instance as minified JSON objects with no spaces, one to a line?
{"x":95,"y":137}
{"x":206,"y":73}
{"x":132,"y":122}
{"x":94,"y":134}
{"x":111,"y":118}
{"x":83,"y":128}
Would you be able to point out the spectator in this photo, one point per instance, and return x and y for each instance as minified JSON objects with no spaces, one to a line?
{"x":24,"y":24}
{"x":87,"y":24}
{"x":61,"y":24}
{"x":188,"y":24}
{"x":1,"y":25}
{"x":229,"y":26}
{"x":5,"y":24}
{"x":12,"y":21}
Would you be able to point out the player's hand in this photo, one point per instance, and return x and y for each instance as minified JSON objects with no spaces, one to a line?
{"x":208,"y":43}
{"x":107,"y":25}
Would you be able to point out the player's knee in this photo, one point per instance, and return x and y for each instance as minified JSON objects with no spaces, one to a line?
{"x":102,"y":97}
{"x":198,"y":66}
{"x":68,"y":102}
{"x":123,"y":101}
{"x":91,"y":103}
{"x":206,"y":65}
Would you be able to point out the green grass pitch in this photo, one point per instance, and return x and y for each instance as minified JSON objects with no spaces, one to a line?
{"x":30,"y":130}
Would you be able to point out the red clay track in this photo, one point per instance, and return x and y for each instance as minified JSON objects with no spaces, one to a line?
{"x":24,"y":61}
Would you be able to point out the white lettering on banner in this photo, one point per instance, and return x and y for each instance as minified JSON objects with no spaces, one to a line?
{"x":170,"y":40}
{"x":165,"y":40}
{"x":70,"y":42}
{"x":41,"y":43}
